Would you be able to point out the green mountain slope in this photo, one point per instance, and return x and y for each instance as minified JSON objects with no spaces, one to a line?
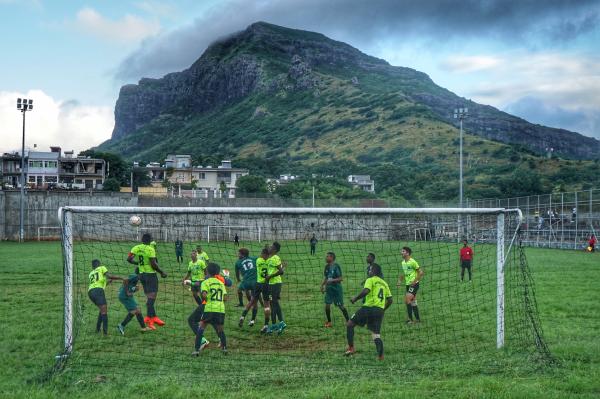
{"x":280,"y":100}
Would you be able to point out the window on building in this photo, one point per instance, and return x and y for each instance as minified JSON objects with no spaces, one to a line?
{"x":31,"y":179}
{"x":50,"y":179}
{"x":202,"y":176}
{"x":36,"y":164}
{"x":50,"y":164}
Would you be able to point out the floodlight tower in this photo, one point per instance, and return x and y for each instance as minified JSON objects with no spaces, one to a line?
{"x":461,"y":114}
{"x":23,"y":105}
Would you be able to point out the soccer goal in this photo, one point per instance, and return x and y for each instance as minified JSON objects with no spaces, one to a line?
{"x":468,"y":319}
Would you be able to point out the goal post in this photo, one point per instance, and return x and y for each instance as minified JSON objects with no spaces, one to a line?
{"x":104,"y":232}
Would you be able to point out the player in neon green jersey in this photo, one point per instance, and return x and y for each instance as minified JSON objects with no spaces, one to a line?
{"x":261,"y":290}
{"x":202,"y":254}
{"x":213,"y":291}
{"x":412,"y":275}
{"x":98,"y":278}
{"x":144,"y":255}
{"x":195,"y":274}
{"x":273,"y":278}
{"x":378,"y":298}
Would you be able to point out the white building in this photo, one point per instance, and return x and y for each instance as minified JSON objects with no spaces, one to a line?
{"x":363,"y":181}
{"x":42,"y":167}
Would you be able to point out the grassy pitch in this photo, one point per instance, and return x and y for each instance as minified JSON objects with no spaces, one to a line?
{"x":306,"y":361}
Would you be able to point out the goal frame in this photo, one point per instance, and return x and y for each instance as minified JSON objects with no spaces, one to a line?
{"x":65,"y":216}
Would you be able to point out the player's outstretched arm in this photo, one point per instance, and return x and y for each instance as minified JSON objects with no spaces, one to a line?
{"x":362,"y":294}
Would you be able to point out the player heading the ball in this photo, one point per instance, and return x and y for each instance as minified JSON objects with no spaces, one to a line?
{"x":144,"y":255}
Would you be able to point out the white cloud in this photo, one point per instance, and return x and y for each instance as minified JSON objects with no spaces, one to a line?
{"x":127,"y":30}
{"x":558,"y":81}
{"x":52,"y":122}
{"x":467,"y":64}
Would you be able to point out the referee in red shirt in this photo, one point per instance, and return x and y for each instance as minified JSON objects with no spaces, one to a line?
{"x":466,"y":260}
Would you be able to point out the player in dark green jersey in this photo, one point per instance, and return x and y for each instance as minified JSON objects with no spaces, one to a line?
{"x":412,"y":275}
{"x":213,"y":291}
{"x":273,"y":278}
{"x":245,"y":267}
{"x":98,"y":278}
{"x":378,"y":298}
{"x":126,"y":291}
{"x":144,"y":255}
{"x":179,"y":250}
{"x":245,"y":274}
{"x":332,"y":287}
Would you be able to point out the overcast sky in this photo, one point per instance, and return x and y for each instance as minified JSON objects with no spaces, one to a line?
{"x":536,"y":59}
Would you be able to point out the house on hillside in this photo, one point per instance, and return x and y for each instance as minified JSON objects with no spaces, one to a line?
{"x":204,"y":181}
{"x":364,"y":182}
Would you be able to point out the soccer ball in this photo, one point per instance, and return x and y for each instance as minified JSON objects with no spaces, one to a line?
{"x":589,"y":249}
{"x":135,"y":220}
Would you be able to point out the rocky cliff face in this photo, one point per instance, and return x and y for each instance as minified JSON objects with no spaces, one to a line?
{"x":268,"y":58}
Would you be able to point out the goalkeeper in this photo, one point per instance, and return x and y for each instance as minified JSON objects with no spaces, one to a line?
{"x":129,"y":287}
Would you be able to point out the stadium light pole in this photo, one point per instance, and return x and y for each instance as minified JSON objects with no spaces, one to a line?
{"x":23,"y":105}
{"x":460,"y":114}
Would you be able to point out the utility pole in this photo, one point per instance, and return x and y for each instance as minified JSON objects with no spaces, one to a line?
{"x":460,"y":114}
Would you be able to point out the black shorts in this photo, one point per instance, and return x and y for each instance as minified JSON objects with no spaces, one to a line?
{"x":149,"y":282}
{"x":261,"y":290}
{"x":412,"y":289}
{"x":372,"y":316}
{"x":465,"y":264}
{"x":213,"y":318}
{"x":96,"y":295}
{"x":275,"y":291}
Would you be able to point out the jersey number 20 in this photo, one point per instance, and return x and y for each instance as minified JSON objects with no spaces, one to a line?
{"x":216,"y":294}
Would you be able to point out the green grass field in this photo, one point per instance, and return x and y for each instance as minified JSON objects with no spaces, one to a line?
{"x":450,"y":355}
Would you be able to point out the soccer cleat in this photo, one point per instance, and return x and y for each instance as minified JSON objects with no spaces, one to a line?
{"x":281,"y":327}
{"x":408,"y":322}
{"x":350,"y":351}
{"x":204,"y":343}
{"x":328,"y":324}
{"x":265,"y":329}
{"x":195,"y":353}
{"x":251,"y":323}
{"x":121,"y":329}
{"x":158,"y":321}
{"x":380,"y":357}
{"x":147,"y":319}
{"x":239,"y":305}
{"x":150,"y":325}
{"x":145,"y":329}
{"x":241,"y":322}
{"x":224,"y":351}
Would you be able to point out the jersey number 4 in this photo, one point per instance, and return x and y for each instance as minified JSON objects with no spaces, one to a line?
{"x":380,"y":295}
{"x":216,"y":294}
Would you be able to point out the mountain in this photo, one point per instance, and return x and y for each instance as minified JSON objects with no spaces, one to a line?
{"x":302,"y":100}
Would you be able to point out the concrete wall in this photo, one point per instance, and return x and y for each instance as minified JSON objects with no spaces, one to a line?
{"x":41,"y":209}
